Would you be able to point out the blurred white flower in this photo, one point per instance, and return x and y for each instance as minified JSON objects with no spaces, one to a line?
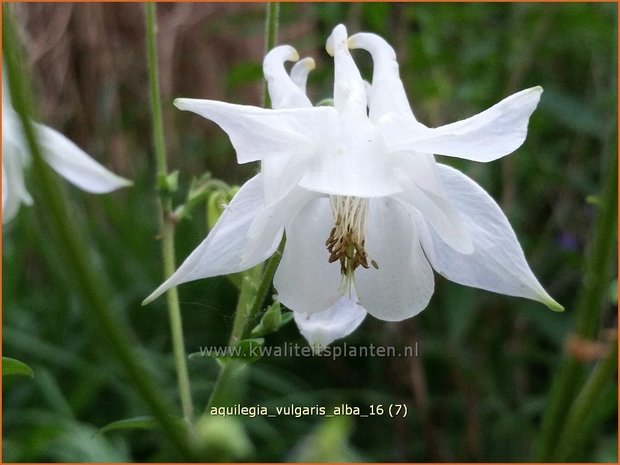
{"x":366,"y":209}
{"x":66,"y":158}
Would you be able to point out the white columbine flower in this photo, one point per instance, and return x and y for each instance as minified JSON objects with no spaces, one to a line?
{"x":66,"y":158}
{"x":367,"y":211}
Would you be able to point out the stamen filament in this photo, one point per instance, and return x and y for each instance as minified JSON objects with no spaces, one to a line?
{"x":346,"y":239}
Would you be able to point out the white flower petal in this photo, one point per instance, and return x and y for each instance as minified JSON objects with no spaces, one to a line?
{"x":305,"y":281}
{"x":284,"y":93}
{"x":270,"y":221}
{"x":222,"y":251}
{"x":14,"y":157}
{"x":438,"y":212}
{"x":72,"y":163}
{"x":322,"y":328}
{"x":352,"y":160}
{"x":5,"y":190}
{"x":404,"y":283}
{"x":497,"y":263}
{"x":14,"y":191}
{"x":12,"y":134}
{"x":257,"y":133}
{"x":65,"y":157}
{"x":281,"y":175}
{"x":487,"y":136}
{"x":300,"y":71}
{"x":387,"y":93}
{"x":349,"y":88}
{"x":421,"y":168}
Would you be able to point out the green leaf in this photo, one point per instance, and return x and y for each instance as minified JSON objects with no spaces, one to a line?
{"x":215,"y":206}
{"x":286,"y":318}
{"x":195,"y":355}
{"x":329,"y":442}
{"x":247,"y":351}
{"x":199,"y":186}
{"x":273,"y":319}
{"x":613,"y":292}
{"x":223,"y":439}
{"x":169,"y":183}
{"x":270,"y":322}
{"x":142,"y":423}
{"x":10,"y":366}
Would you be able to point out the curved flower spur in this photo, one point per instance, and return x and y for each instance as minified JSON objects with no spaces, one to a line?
{"x":367,"y":211}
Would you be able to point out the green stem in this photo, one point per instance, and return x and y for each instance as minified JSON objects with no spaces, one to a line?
{"x":176,"y":326}
{"x":598,"y":269}
{"x":166,"y":222}
{"x":265,"y":284}
{"x":92,"y":287}
{"x":221,"y":395}
{"x":583,"y":411}
{"x":591,"y":305}
{"x":252,"y":296}
{"x":244,"y":304}
{"x":271,"y":39}
{"x":153,"y":66}
{"x":230,"y":372}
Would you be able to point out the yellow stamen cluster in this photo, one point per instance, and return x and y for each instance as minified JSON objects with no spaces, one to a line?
{"x":346,"y":240}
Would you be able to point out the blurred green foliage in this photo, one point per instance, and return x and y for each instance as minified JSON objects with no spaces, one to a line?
{"x":479,"y":387}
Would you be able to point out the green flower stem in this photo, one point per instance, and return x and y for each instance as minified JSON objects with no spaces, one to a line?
{"x":251,"y":296}
{"x":265,"y":284}
{"x":166,"y":220}
{"x":91,"y":286}
{"x":271,"y":39}
{"x":598,"y":270}
{"x":228,"y":377}
{"x":242,"y":312}
{"x":232,"y":369}
{"x":255,"y":285}
{"x":582,"y":413}
{"x":591,"y":304}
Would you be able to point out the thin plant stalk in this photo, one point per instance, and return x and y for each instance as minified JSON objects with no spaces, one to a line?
{"x":166,"y":220}
{"x":582,"y":413}
{"x":571,"y":373}
{"x":271,"y":39}
{"x":251,"y":298}
{"x":91,"y":286}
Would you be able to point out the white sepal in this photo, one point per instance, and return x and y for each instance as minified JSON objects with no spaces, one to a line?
{"x":75,"y":165}
{"x":497,"y":263}
{"x":222,"y":252}
{"x":487,"y":136}
{"x":257,"y":133}
{"x":322,"y":328}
